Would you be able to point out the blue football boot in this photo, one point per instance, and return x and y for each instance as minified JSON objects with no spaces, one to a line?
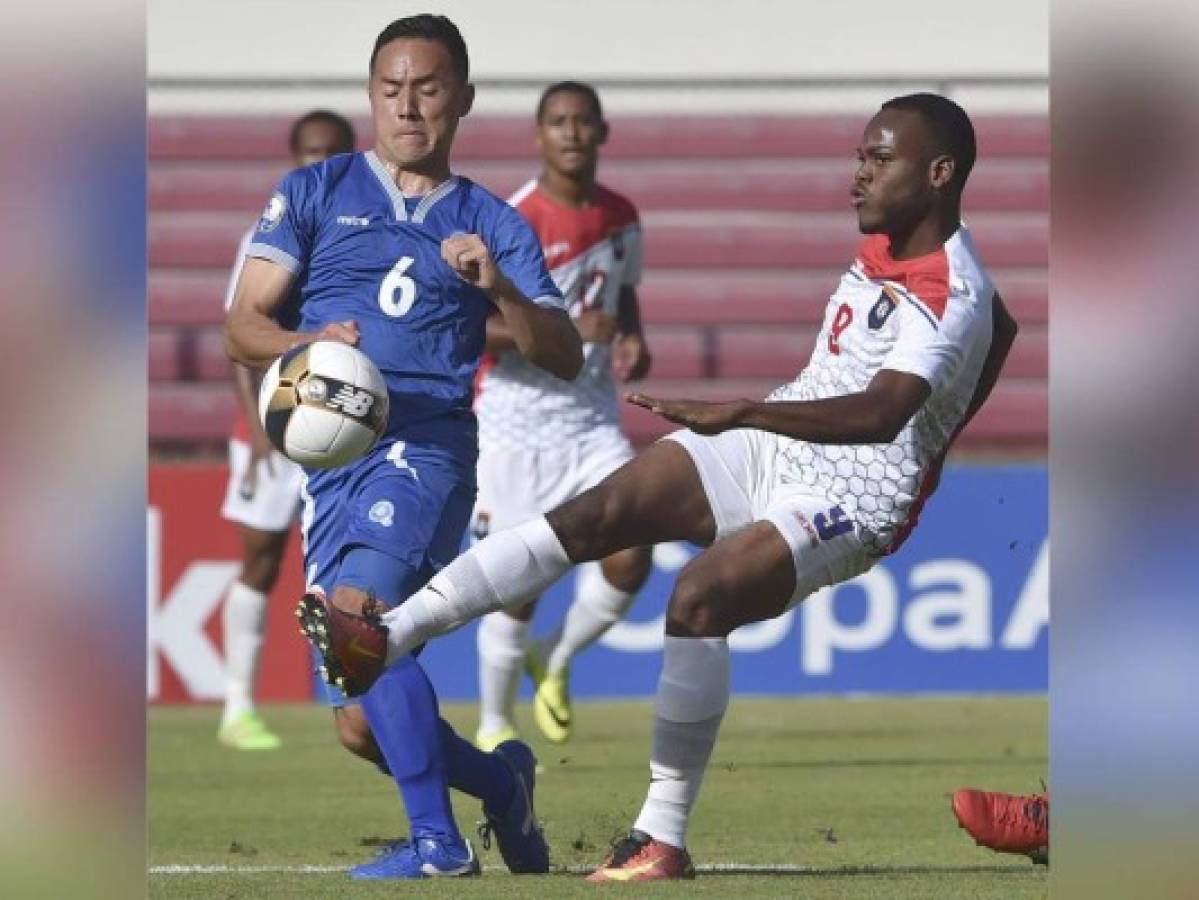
{"x":423,"y":858}
{"x":516,"y":829}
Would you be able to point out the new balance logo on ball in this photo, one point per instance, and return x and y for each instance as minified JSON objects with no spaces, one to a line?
{"x":352,"y":402}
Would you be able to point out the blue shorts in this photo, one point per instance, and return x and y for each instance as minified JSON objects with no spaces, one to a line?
{"x":398,"y":515}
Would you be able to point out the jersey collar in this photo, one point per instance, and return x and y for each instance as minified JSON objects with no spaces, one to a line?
{"x":396,"y":195}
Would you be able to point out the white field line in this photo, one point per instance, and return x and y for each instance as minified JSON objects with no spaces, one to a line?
{"x":706,"y":868}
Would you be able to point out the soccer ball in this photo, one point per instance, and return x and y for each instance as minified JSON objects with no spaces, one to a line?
{"x":323,"y":404}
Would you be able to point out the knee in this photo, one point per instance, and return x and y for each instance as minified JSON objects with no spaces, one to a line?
{"x":348,"y":599}
{"x":701,"y":605}
{"x":628,"y":569}
{"x":260,"y":571}
{"x":588,"y":525}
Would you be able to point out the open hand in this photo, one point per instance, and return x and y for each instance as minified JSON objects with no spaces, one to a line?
{"x":346,"y":332}
{"x":700,"y":416}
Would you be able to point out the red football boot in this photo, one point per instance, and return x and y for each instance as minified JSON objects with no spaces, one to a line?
{"x":352,"y":647}
{"x":1005,"y":822}
{"x":640,"y":858}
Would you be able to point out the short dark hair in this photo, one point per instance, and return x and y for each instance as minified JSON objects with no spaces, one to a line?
{"x":570,"y":87}
{"x":951,"y":128}
{"x":328,"y":117}
{"x":431,"y":28}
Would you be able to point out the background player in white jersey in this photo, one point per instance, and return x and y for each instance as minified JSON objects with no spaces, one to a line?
{"x":542,"y":440}
{"x":263,"y":496}
{"x":804,"y":490}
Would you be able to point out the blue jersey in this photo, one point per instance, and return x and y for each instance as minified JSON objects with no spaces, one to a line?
{"x":362,"y":251}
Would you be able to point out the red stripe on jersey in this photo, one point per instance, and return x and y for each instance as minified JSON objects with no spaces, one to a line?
{"x":925,"y":276}
{"x":567,"y":233}
{"x":932,"y":478}
{"x":486,"y":363}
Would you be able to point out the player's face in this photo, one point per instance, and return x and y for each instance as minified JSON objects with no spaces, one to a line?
{"x":570,"y":133}
{"x":416,"y":101}
{"x":891,"y":188}
{"x":318,"y":141}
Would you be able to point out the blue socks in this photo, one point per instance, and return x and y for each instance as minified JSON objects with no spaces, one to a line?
{"x":402,"y":710}
{"x":484,"y":776}
{"x":426,"y":756}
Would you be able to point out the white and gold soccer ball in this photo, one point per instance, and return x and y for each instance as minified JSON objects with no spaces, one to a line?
{"x":323,"y":404}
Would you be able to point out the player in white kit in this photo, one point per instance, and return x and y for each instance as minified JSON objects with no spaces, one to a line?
{"x":806,"y":489}
{"x":263,"y":494}
{"x":543,"y":441}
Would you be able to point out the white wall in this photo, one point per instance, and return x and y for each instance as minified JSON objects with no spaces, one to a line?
{"x":748,"y":55}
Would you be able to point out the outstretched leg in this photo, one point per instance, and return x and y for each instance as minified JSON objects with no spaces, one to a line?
{"x":656,"y":497}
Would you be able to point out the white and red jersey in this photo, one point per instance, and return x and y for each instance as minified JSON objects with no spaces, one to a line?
{"x":591,"y":253}
{"x":929,"y":316}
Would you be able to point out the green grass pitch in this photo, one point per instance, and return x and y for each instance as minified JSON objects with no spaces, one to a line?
{"x":844,"y":798}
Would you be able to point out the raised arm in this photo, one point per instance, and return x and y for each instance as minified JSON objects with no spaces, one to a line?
{"x":252,"y":335}
{"x":542,"y":335}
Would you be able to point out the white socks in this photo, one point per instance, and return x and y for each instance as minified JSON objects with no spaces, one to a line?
{"x":501,"y":642}
{"x":596,"y":608}
{"x":244,"y":619}
{"x":693,"y":694}
{"x":500,"y":571}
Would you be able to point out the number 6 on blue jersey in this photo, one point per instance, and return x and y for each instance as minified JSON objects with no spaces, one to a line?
{"x":395,"y":283}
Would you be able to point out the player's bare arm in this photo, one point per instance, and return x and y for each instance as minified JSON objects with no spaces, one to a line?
{"x":252,"y":336}
{"x":596,"y":327}
{"x":499,"y":335}
{"x":545,"y":337}
{"x":873,"y":416}
{"x":1003,"y":335}
{"x":631,"y":359}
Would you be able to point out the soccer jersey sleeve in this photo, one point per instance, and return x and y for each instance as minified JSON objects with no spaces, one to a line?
{"x":933,"y":336}
{"x":284,"y":233}
{"x":518,"y":253}
{"x":237,"y":266}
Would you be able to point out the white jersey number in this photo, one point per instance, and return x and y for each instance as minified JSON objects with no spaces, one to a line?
{"x":397,"y":293}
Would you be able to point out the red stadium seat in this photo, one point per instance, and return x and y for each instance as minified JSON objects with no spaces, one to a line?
{"x":182,"y":297}
{"x":678,"y":352}
{"x":683,"y":137}
{"x":211,"y":361}
{"x":163,"y":352}
{"x":758,"y":184}
{"x":191,"y":411}
{"x":762,"y":352}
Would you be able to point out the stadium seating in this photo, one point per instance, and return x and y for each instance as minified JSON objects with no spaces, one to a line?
{"x":747,"y":226}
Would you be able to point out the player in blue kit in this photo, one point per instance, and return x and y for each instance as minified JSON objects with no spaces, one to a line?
{"x":393,"y":253}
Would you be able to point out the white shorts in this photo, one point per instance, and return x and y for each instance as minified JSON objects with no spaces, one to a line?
{"x":275,"y":503}
{"x":516,"y":485}
{"x":737,"y":470}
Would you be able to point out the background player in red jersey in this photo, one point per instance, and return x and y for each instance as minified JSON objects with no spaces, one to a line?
{"x":542,"y":440}
{"x":807,"y":489}
{"x":263,"y":496}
